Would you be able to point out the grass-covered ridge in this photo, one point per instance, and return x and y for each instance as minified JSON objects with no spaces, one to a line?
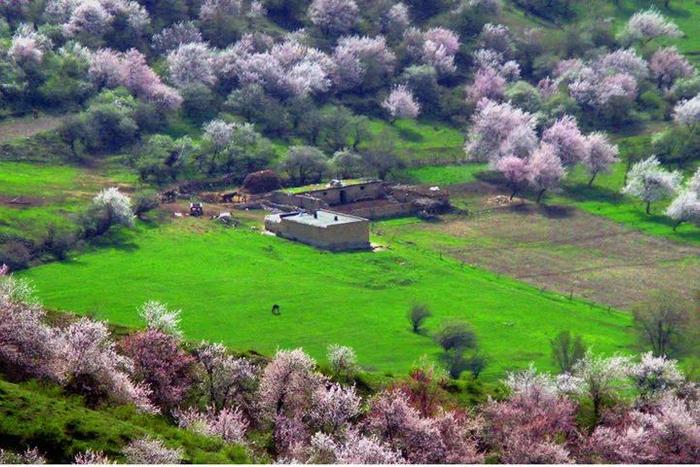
{"x":37,"y":415}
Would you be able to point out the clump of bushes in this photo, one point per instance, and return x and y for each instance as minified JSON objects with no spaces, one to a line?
{"x":262,"y":182}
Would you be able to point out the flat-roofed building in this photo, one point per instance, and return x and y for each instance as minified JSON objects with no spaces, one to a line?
{"x":322,"y":228}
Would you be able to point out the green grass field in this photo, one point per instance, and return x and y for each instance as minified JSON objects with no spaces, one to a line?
{"x":443,"y":175}
{"x":226,"y":282}
{"x":422,"y":142}
{"x":604,"y":199}
{"x":48,"y":193}
{"x":51,"y":191}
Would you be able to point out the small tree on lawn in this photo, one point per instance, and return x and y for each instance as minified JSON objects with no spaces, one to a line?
{"x":417,"y":315}
{"x":649,"y":181}
{"x":110,"y":207}
{"x":567,"y":350}
{"x":645,"y":26}
{"x":455,"y":338}
{"x":684,"y":208}
{"x":514,"y":170}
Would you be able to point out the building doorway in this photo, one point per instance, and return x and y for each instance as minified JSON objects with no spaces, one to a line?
{"x":343,"y":197}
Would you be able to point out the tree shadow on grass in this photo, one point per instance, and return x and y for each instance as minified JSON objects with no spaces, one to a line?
{"x":548,"y":211}
{"x":119,"y":239}
{"x":556,"y":212}
{"x":685,"y":232}
{"x":408,"y":134}
{"x":583,"y":192}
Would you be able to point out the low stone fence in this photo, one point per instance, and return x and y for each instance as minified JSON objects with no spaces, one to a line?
{"x":301,"y":201}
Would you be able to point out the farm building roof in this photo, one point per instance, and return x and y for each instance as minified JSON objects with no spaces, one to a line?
{"x":322,"y":218}
{"x":326,"y":186}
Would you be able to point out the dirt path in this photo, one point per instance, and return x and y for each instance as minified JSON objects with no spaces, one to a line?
{"x":566,"y":250}
{"x":27,"y":126}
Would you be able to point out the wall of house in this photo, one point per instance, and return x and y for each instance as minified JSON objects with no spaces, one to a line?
{"x":349,"y":236}
{"x":306,"y":202}
{"x":384,"y":210}
{"x":353,"y":193}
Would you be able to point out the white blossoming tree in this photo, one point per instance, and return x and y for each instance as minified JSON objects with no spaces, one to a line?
{"x":647,"y":25}
{"x":158,"y":317}
{"x":650,"y":182}
{"x":118,"y":203}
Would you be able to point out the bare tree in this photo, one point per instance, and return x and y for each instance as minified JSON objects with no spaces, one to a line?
{"x":567,"y":349}
{"x":663,"y":323}
{"x":417,"y":315}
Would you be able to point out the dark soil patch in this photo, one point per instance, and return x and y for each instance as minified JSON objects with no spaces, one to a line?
{"x":20,"y":201}
{"x":568,"y":251}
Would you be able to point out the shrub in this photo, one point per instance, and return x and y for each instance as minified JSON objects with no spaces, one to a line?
{"x":417,"y":316}
{"x":16,"y":254}
{"x":261,"y":181}
{"x":151,"y":451}
{"x":57,"y":242}
{"x":145,"y":201}
{"x":27,"y":345}
{"x":343,"y":361}
{"x":456,"y":335}
{"x":108,"y":208}
{"x":304,"y":164}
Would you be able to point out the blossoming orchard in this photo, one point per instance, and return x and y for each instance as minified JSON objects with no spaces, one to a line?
{"x":349,"y":232}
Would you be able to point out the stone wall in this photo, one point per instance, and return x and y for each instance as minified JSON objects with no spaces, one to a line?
{"x":350,"y":193}
{"x":304,"y":201}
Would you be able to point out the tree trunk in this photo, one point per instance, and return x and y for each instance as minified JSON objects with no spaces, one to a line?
{"x":513,"y":194}
{"x":539,"y":195}
{"x":648,"y":210}
{"x":590,"y":182}
{"x":596,"y":411}
{"x":675,"y":226}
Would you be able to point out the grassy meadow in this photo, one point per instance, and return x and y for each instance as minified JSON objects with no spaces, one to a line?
{"x":226,"y":281}
{"x":420,"y":142}
{"x":32,"y":195}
